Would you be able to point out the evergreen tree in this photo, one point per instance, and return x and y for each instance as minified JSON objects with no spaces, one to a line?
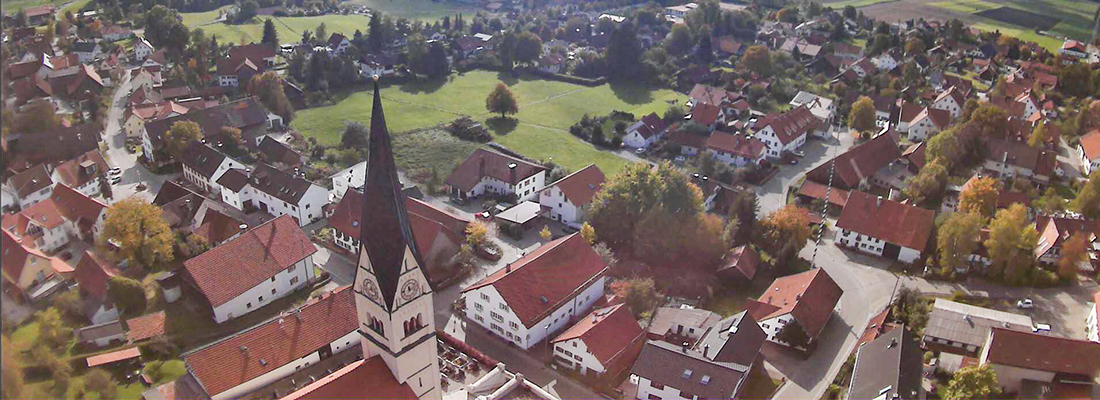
{"x":271,"y":36}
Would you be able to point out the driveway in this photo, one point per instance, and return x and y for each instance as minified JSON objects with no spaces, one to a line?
{"x":133,"y":173}
{"x":773,"y":194}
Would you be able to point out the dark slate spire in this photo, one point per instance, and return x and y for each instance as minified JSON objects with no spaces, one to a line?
{"x":385,"y":232}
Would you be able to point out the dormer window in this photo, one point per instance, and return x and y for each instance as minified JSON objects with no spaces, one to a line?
{"x":687,"y":373}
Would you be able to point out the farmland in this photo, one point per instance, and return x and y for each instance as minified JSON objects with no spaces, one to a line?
{"x":289,"y":28}
{"x":424,"y":10}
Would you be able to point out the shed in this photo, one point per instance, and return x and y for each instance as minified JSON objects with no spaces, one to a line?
{"x":170,"y":286}
{"x":521,"y":214}
{"x":101,"y":335}
{"x":114,"y":356}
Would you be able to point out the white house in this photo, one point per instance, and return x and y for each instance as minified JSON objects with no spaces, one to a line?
{"x":605,"y":341}
{"x":27,"y":187}
{"x":530,"y":299}
{"x":551,"y":63}
{"x":1092,"y":322}
{"x":885,"y":62}
{"x":1089,"y":152}
{"x":275,"y":192}
{"x":142,"y":48}
{"x":260,"y":266}
{"x":950,"y":100}
{"x":1016,"y":357}
{"x":82,"y":173}
{"x":87,"y":51}
{"x":822,"y":107}
{"x":203,"y":166}
{"x":808,"y":298}
{"x":884,"y":227}
{"x":645,"y":131}
{"x":487,"y":171}
{"x":787,"y":131}
{"x":53,"y":222}
{"x":383,"y":65}
{"x":735,"y":150}
{"x":263,"y":354}
{"x":1074,"y":49}
{"x":567,"y":199}
{"x":863,"y":67}
{"x":338,"y":43}
{"x":928,"y":123}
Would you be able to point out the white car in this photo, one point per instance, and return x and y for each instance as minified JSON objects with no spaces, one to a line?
{"x":1025,"y":304}
{"x":1041,"y":328}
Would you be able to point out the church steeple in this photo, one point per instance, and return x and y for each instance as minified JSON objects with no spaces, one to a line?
{"x":386,"y":233}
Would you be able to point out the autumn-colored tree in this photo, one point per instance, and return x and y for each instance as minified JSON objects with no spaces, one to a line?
{"x":958,"y":238}
{"x":180,"y":137}
{"x":862,"y":116}
{"x":980,"y":196}
{"x":545,"y":233}
{"x":52,"y":330}
{"x":99,"y":381}
{"x":234,"y":137}
{"x":268,"y":87}
{"x":945,"y":147}
{"x":1074,"y":252}
{"x":501,"y":100}
{"x":990,"y":121}
{"x":786,"y":226}
{"x":37,"y":116}
{"x":973,"y":383}
{"x":757,"y":59}
{"x":1011,"y":243}
{"x":588,"y":233}
{"x":11,"y":371}
{"x":1039,"y":135}
{"x":914,"y":46}
{"x":628,"y":195}
{"x":477,"y":233}
{"x":139,"y":233}
{"x":640,"y":294}
{"x":1088,"y":199}
{"x":928,"y":183}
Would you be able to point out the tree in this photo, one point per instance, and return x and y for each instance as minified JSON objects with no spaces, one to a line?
{"x":139,"y":232}
{"x":52,"y":330}
{"x":1076,"y":79}
{"x":911,"y":309}
{"x":973,"y":383}
{"x":37,"y":116}
{"x":849,"y":12}
{"x":507,"y":50}
{"x":545,"y":233}
{"x":979,"y":196}
{"x":928,"y":183}
{"x":705,"y":53}
{"x":793,"y":334}
{"x":958,"y":238}
{"x":945,"y":147}
{"x":61,"y":371}
{"x":233,"y":136}
{"x":969,"y":107}
{"x":1038,"y":136}
{"x":679,"y":39}
{"x":757,"y":59}
{"x":1051,"y":202}
{"x":528,"y":47}
{"x":785,"y":227}
{"x":11,"y":371}
{"x":588,"y":233}
{"x":624,"y":53}
{"x":914,"y":46}
{"x":787,"y":14}
{"x":99,"y":381}
{"x":1074,"y":252}
{"x":640,"y":294}
{"x":268,"y":86}
{"x":376,"y":32}
{"x":1088,"y":199}
{"x":862,"y":116}
{"x":70,"y":303}
{"x":1011,"y":243}
{"x":180,"y":137}
{"x":321,"y":33}
{"x":248,"y":10}
{"x":501,"y":100}
{"x":127,"y":293}
{"x":354,"y":137}
{"x":271,"y":36}
{"x":477,"y":233}
{"x":990,"y":120}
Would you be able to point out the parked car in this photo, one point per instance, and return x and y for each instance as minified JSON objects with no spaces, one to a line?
{"x":680,"y":160}
{"x":1025,"y":304}
{"x":1040,"y":328}
{"x":798,"y":153}
{"x":115,"y":171}
{"x":489,"y":253}
{"x":484,"y":215}
{"x":116,"y":180}
{"x":640,"y":151}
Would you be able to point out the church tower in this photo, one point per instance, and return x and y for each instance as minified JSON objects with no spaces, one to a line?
{"x":393,"y":298}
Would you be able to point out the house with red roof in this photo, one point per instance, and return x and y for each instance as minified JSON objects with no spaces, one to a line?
{"x":708,"y":115}
{"x":53,"y":222}
{"x":603,"y":343}
{"x":645,"y":131}
{"x":1092,"y":322}
{"x":787,"y":131}
{"x":1017,"y":357}
{"x":1074,"y":49}
{"x":491,"y":172}
{"x":82,"y":173}
{"x":1008,"y":157}
{"x":927,"y":123}
{"x":735,"y":149}
{"x":93,"y":273}
{"x":251,"y":359}
{"x":884,"y":227}
{"x":27,"y":187}
{"x":31,"y":273}
{"x":1089,"y":151}
{"x":739,"y":264}
{"x":567,"y":199}
{"x":259,"y":266}
{"x":203,"y":165}
{"x":1055,"y":231}
{"x":233,"y":71}
{"x":808,"y":298}
{"x":951,"y":100}
{"x":530,"y":299}
{"x":861,"y":165}
{"x":270,"y":190}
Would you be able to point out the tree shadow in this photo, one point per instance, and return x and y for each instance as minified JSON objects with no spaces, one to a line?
{"x":502,"y":126}
{"x":509,"y":78}
{"x":424,"y":86}
{"x":632,"y":93}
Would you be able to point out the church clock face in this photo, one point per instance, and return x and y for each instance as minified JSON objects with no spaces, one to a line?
{"x":410,"y":289}
{"x":370,"y":289}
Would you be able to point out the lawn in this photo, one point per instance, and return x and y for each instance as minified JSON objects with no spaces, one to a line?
{"x":289,"y":28}
{"x":1075,"y":16}
{"x":15,"y":5}
{"x":432,"y":148}
{"x":424,"y":10}
{"x":1052,"y":44}
{"x":75,"y":6}
{"x":854,"y":3}
{"x":194,"y":19}
{"x":547,"y":110}
{"x":965,"y":6}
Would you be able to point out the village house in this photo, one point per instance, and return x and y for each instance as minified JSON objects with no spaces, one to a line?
{"x":739,"y":264}
{"x":338,"y":43}
{"x":491,"y":172}
{"x":807,"y":298}
{"x":381,"y":65}
{"x":1089,"y":151}
{"x":138,"y":115}
{"x":675,"y":323}
{"x":142,"y":49}
{"x":823,"y":108}
{"x":203,"y":165}
{"x":1008,"y":158}
{"x":735,"y":150}
{"x":261,"y":265}
{"x":260,"y":53}
{"x":53,"y":222}
{"x":888,"y":367}
{"x":1056,"y":230}
{"x":24,"y":189}
{"x":246,"y":114}
{"x":528,"y":300}
{"x":32,"y":274}
{"x":567,"y":199}
{"x":234,"y":72}
{"x":87,"y":51}
{"x":92,"y":274}
{"x":114,"y":33}
{"x":603,"y":343}
{"x":278,"y":154}
{"x":101,"y":335}
{"x":82,"y":173}
{"x":551,"y":63}
{"x":884,"y":227}
{"x":1074,"y":49}
{"x":927,"y":123}
{"x":274,"y":192}
{"x":960,"y":330}
{"x":1021,"y":359}
{"x":646,"y":131}
{"x":885,"y":62}
{"x":950,"y":100}
{"x":787,"y":131}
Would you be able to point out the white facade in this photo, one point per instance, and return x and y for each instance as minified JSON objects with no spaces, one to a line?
{"x":525,"y":190}
{"x":574,"y":354}
{"x":371,"y":70}
{"x":772,"y":326}
{"x":106,"y":312}
{"x":86,"y":57}
{"x":274,"y":288}
{"x":922,"y":128}
{"x":885,"y":62}
{"x":821,"y":107}
{"x":352,"y":177}
{"x":561,"y":208}
{"x":735,"y":161}
{"x":1092,"y":325}
{"x":228,"y":80}
{"x":948,"y":103}
{"x":1087,"y":165}
{"x":486,"y":307}
{"x":635,"y":139}
{"x":342,"y":46}
{"x":337,"y":346}
{"x":870,"y":245}
{"x":777,"y":147}
{"x":52,"y":238}
{"x":11,"y":197}
{"x":142,"y":49}
{"x":306,"y":211}
{"x":211,"y":185}
{"x":647,"y":390}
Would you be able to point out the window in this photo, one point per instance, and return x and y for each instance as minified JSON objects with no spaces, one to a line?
{"x":496,"y":317}
{"x":503,"y":306}
{"x":484,"y":296}
{"x":509,"y":335}
{"x":292,"y":267}
{"x":574,"y":344}
{"x":706,"y":380}
{"x":273,"y":291}
{"x":656,"y":385}
{"x":654,"y":397}
{"x":478,"y":306}
{"x":273,"y":279}
{"x":294,"y":280}
{"x":687,"y":374}
{"x":479,"y":318}
{"x":578,"y":358}
{"x":261,"y":298}
{"x":249,"y":305}
{"x":513,"y":325}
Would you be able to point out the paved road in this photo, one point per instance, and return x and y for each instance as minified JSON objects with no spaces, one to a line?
{"x":133,"y":173}
{"x":772,"y":195}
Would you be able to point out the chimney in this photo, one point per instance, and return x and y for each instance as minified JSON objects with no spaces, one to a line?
{"x":684,"y":347}
{"x":243,"y":227}
{"x":508,"y":267}
{"x":512,"y":172}
{"x":893,"y":342}
{"x":706,"y":349}
{"x":878,"y":201}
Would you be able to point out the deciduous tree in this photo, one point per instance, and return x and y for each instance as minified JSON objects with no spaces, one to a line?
{"x":588,"y":233}
{"x":640,"y":294}
{"x":973,"y":383}
{"x":914,"y":46}
{"x":1088,"y":199}
{"x":127,"y":293}
{"x":99,"y":381}
{"x":980,"y":196}
{"x":139,"y":232}
{"x":1011,"y":243}
{"x":501,"y":100}
{"x":990,"y":120}
{"x":37,"y":116}
{"x":958,"y":238}
{"x":354,"y":137}
{"x":945,"y":147}
{"x":928,"y":183}
{"x":10,"y":371}
{"x":862,"y":116}
{"x":545,"y":233}
{"x":52,"y":330}
{"x":788,"y":225}
{"x":1074,"y":252}
{"x":679,"y":39}
{"x":268,"y":86}
{"x":793,"y":334}
{"x":757,"y":59}
{"x":180,"y":137}
{"x":1038,"y":136}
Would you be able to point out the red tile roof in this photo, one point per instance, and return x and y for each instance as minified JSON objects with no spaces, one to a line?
{"x":860,"y":162}
{"x":808,"y":296}
{"x":227,"y":271}
{"x":939,"y":118}
{"x":543,"y":280}
{"x":44,"y":213}
{"x":427,"y":221}
{"x":92,"y":273}
{"x":114,"y":356}
{"x":217,"y":227}
{"x":484,"y":163}
{"x":735,"y":144}
{"x":75,"y":206}
{"x":742,"y":259}
{"x":954,"y":93}
{"x":1042,"y":352}
{"x":1091,"y":144}
{"x":650,"y":125}
{"x":350,"y":381}
{"x":816,"y":190}
{"x":72,"y":172}
{"x":145,"y":326}
{"x":607,"y":333}
{"x":894,"y":222}
{"x":705,"y":114}
{"x":579,"y":187}
{"x":235,"y":360}
{"x":706,"y":94}
{"x":685,"y":138}
{"x":31,"y":180}
{"x":791,"y":124}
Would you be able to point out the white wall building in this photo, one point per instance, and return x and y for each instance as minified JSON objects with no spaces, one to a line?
{"x":274,"y":192}
{"x":1092,"y":322}
{"x":489,"y":172}
{"x":203,"y":166}
{"x":142,"y":49}
{"x":568,"y":198}
{"x":1089,"y":152}
{"x":884,"y":227}
{"x":951,"y":100}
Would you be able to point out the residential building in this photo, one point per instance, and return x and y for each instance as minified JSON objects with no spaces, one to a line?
{"x":822,"y":107}
{"x":83,"y":173}
{"x":278,"y":154}
{"x":603,"y":343}
{"x":246,"y":114}
{"x":885,"y":62}
{"x":52,"y":147}
{"x":708,"y":115}
{"x":676,"y":324}
{"x":888,"y":367}
{"x":962,"y":329}
{"x":551,"y":63}
{"x":247,"y":361}
{"x":26,"y":188}
{"x":1018,"y":357}
{"x":884,"y":227}
{"x":735,"y":150}
{"x":260,"y":53}
{"x":87,"y":51}
{"x":650,"y":128}
{"x":92,"y":274}
{"x":203,"y":166}
{"x":1010,"y":158}
{"x":927,"y":123}
{"x":530,"y":299}
{"x":567,"y":199}
{"x":807,"y":298}
{"x":1089,"y":152}
{"x":1092,"y":322}
{"x":860,"y":166}
{"x":380,"y":64}
{"x":1074,"y":49}
{"x":31,"y":274}
{"x":274,"y":192}
{"x":1056,"y":230}
{"x":739,"y":264}
{"x":338,"y":43}
{"x":233,"y":71}
{"x":261,"y":265}
{"x":137,"y":116}
{"x":101,"y":335}
{"x":142,"y":48}
{"x":951,"y":100}
{"x":40,"y":225}
{"x":491,"y":172}
{"x":786,"y":131}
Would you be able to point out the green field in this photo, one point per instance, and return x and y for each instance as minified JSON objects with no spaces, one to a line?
{"x":290,"y":28}
{"x":198,"y":18}
{"x":1052,"y":44}
{"x":1075,"y":17}
{"x":854,"y":3}
{"x":965,"y":6}
{"x":15,"y":5}
{"x":424,"y":10}
{"x":547,"y":110}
